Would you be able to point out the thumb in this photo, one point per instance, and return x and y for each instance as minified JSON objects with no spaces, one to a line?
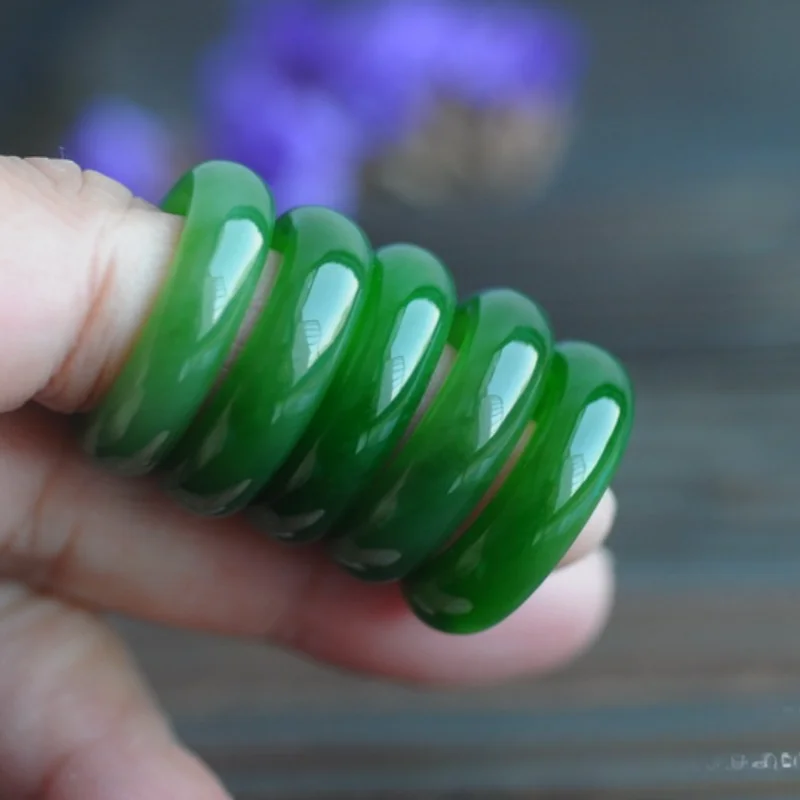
{"x":82,"y":261}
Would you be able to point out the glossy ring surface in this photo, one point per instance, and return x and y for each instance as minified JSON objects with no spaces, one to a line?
{"x":229,"y":220}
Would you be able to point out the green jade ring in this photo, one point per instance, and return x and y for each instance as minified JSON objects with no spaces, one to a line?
{"x":455,"y":448}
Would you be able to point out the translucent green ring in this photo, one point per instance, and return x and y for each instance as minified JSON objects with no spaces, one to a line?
{"x":229,"y":220}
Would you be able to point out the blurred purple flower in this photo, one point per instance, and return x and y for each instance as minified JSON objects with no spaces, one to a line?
{"x":419,"y":52}
{"x":387,"y":64}
{"x":312,"y":55}
{"x":385,"y":71}
{"x":127,"y":142}
{"x":299,"y":140}
{"x":508,"y":54}
{"x":304,"y":92}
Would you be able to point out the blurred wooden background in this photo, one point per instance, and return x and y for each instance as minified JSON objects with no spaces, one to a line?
{"x":672,"y":236}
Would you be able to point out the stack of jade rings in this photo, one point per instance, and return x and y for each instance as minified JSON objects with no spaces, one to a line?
{"x":313,"y":428}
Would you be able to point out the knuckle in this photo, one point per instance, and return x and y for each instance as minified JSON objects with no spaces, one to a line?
{"x":94,"y":211}
{"x":292,"y":621}
{"x":61,"y":191}
{"x":58,"y":175}
{"x":85,"y":259}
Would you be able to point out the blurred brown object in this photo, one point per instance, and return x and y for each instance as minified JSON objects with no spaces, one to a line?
{"x":467,"y":152}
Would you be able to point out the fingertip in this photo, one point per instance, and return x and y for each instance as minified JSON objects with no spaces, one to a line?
{"x":596,"y":531}
{"x":559,"y":624}
{"x":369,"y":629}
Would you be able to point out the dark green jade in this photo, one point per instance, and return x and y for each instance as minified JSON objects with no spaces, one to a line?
{"x":274,"y":388}
{"x":409,"y":311}
{"x":201,"y":306}
{"x":416,"y":502}
{"x":582,"y":426}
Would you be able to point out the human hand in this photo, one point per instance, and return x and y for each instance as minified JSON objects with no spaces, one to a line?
{"x":80,"y":263}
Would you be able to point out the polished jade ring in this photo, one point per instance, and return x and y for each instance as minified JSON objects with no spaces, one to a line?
{"x":229,"y":221}
{"x":453,"y":448}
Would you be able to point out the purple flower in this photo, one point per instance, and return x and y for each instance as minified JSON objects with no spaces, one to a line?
{"x":301,"y":142}
{"x":476,"y":52}
{"x":126,"y":142}
{"x":508,"y":54}
{"x":311,"y":48}
{"x":388,"y":64}
{"x":304,"y":92}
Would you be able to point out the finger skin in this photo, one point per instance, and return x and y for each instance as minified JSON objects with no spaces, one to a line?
{"x":121,"y":545}
{"x":374,"y":632}
{"x":75,"y":721}
{"x":596,"y":531}
{"x":82,"y":262}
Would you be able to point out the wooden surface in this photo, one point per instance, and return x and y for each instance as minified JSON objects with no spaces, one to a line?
{"x":673,"y":237}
